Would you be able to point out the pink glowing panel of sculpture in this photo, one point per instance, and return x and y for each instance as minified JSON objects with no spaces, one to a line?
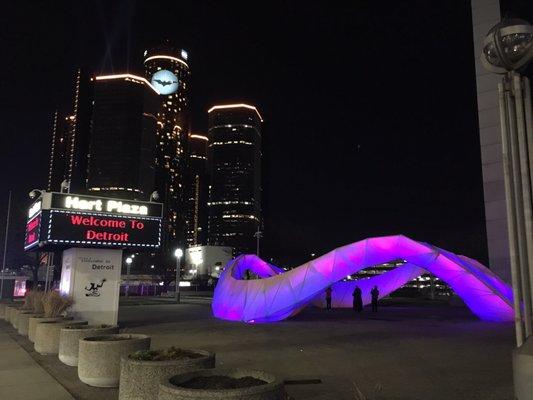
{"x":279,"y":294}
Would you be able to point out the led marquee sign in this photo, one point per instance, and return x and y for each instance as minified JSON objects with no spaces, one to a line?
{"x":75,"y":202}
{"x":66,"y":220}
{"x":33,"y":228}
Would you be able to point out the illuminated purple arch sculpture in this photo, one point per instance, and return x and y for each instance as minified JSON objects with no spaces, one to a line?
{"x":280,"y":294}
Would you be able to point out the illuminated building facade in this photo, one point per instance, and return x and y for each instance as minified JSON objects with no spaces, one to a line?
{"x":167,"y":69}
{"x":234,"y":156}
{"x":196,"y":191}
{"x":62,"y":129}
{"x":70,"y":140}
{"x":421,"y":285}
{"x":123,"y":137}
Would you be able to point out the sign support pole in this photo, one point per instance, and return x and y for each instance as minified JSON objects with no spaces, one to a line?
{"x":5,"y":246}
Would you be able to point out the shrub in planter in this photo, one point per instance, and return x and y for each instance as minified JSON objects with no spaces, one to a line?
{"x":211,"y":384}
{"x":70,"y":336}
{"x":34,"y":321}
{"x":46,"y":339}
{"x":38,"y":297}
{"x":27,"y":307}
{"x":28,"y":299}
{"x":55,"y":304}
{"x":23,"y":321}
{"x":142,"y":372}
{"x":99,"y":357}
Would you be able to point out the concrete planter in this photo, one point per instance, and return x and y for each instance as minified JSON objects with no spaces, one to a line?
{"x":272,"y":390}
{"x":69,"y":340}
{"x":10,"y":310}
{"x":3,"y":310}
{"x":23,"y":321}
{"x":15,"y":315}
{"x":47,"y":335}
{"x":99,"y":357}
{"x":34,"y":321}
{"x":140,"y":379}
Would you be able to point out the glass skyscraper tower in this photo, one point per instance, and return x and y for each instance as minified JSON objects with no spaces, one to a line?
{"x":234,"y":158}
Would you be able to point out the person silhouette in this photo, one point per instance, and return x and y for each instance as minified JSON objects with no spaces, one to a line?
{"x":328,"y":298}
{"x":357,"y":299}
{"x":375,"y":295}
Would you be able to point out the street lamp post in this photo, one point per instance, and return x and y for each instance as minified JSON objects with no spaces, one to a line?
{"x":507,"y":50}
{"x":129,"y":260}
{"x":258,"y":235}
{"x":178,"y":254}
{"x":5,"y":246}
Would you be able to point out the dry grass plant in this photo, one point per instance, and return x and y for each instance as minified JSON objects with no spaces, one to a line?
{"x":55,"y":304}
{"x":37,"y":301}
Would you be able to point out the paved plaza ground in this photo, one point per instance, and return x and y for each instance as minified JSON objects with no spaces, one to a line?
{"x":413,"y":351}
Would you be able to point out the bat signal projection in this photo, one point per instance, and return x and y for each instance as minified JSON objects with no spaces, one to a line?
{"x":165,"y":82}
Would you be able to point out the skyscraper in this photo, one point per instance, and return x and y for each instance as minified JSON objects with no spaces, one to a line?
{"x":70,"y":140}
{"x":57,"y":172}
{"x":234,"y":156}
{"x":123,"y":137}
{"x":167,"y":69}
{"x":196,"y":191}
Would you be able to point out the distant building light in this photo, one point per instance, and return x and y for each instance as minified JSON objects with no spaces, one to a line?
{"x":184,"y":54}
{"x":131,"y":77}
{"x":185,"y":284}
{"x":161,"y":56}
{"x":240,"y":105}
{"x":199,"y":137}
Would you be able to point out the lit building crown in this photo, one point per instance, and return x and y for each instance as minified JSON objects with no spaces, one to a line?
{"x":240,"y":105}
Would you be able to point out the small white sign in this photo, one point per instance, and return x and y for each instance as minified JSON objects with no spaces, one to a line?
{"x":92,"y":278}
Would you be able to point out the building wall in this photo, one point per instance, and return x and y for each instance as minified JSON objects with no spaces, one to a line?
{"x":207,"y":261}
{"x":486,"y":14}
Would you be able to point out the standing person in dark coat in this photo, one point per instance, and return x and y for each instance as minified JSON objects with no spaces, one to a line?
{"x":328,"y":298}
{"x":375,"y":294}
{"x":357,"y":299}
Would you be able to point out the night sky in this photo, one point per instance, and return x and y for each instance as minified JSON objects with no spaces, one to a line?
{"x":369,"y":107}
